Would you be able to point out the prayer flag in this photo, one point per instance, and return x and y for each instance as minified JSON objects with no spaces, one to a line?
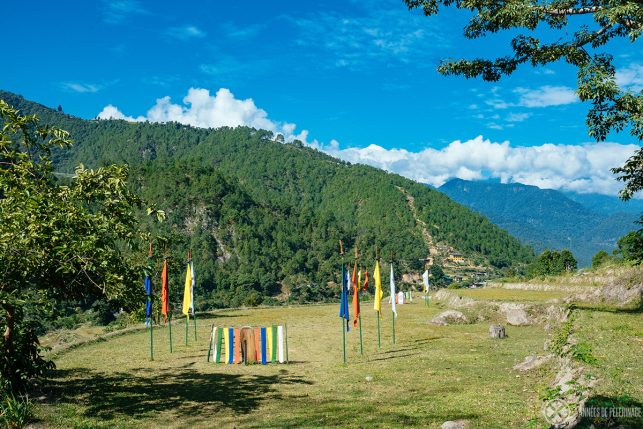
{"x":355,"y":281}
{"x":378,"y":289}
{"x":264,"y":341}
{"x":280,"y":343}
{"x":165,"y":304}
{"x":393,"y":291}
{"x":228,"y":337}
{"x":237,"y":346}
{"x":273,"y":350}
{"x":187,"y":292}
{"x":148,"y":305}
{"x":425,"y":280}
{"x":343,"y":306}
{"x":365,"y":286}
{"x":192,"y":283}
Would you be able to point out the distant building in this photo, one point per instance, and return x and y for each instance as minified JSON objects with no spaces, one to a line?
{"x":456,"y":257}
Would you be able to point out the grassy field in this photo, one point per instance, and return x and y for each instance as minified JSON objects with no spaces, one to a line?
{"x":509,"y":295}
{"x":432,"y":374}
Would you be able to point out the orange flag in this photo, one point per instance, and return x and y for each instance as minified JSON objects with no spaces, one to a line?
{"x":164,"y":292}
{"x":366,"y":280}
{"x":355,"y":295}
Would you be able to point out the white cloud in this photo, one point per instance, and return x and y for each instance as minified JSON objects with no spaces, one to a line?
{"x":582,"y":168}
{"x":186,"y":32}
{"x":380,"y":34}
{"x":117,"y":11}
{"x":630,"y":77}
{"x":201,"y":109}
{"x":112,"y":112}
{"x":546,"y":96}
{"x":82,"y":87}
{"x":517,"y":117}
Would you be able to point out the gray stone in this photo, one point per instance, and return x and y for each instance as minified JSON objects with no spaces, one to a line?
{"x":457,"y":424}
{"x":518,"y":318}
{"x":497,"y":331}
{"x":448,"y":317}
{"x":531,"y":362}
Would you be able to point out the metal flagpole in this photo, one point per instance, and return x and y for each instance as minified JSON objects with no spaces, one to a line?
{"x":392,"y":301}
{"x":359,"y":314}
{"x":149,"y":297}
{"x":341,"y":252}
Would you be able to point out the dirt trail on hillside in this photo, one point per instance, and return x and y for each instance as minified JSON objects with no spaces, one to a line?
{"x":428,"y":239}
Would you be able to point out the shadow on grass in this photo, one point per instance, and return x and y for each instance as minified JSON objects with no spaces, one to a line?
{"x":621,"y":412}
{"x":184,"y":391}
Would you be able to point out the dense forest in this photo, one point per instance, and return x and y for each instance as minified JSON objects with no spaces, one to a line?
{"x":264,"y":218}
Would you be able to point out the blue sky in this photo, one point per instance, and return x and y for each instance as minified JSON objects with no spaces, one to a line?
{"x":359,"y":76}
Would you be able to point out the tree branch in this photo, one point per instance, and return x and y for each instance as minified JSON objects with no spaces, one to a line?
{"x":571,"y":11}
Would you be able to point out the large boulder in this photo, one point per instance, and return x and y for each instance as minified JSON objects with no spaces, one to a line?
{"x":516,"y":314}
{"x":449,"y":317}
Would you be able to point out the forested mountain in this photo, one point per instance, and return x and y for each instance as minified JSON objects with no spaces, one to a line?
{"x":543,"y":218}
{"x":264,"y":218}
{"x":605,"y":204}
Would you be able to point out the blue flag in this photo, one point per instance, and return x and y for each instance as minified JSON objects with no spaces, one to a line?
{"x":343,"y":306}
{"x":148,"y":306}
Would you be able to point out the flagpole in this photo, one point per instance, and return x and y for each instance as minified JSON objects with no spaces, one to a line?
{"x":359,"y":309}
{"x":187,"y":327}
{"x":210,"y":346}
{"x":361,"y":350}
{"x":169,"y":325}
{"x":393,"y":303}
{"x":379,"y":313}
{"x":192,"y":294}
{"x":379,"y":341}
{"x":341,"y":252}
{"x":149,"y":298}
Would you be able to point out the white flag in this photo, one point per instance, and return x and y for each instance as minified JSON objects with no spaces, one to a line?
{"x":425,"y":279}
{"x":393,"y":291}
{"x":192,"y":287}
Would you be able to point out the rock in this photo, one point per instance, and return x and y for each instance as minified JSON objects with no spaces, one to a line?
{"x":457,"y":424}
{"x":449,"y":316}
{"x":532,"y":362}
{"x":369,"y":378}
{"x":516,"y":314}
{"x":453,"y":300}
{"x":518,"y":318}
{"x":624,"y":290}
{"x":497,"y":331}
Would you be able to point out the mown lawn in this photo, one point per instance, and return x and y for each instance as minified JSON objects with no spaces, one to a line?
{"x":432,"y":374}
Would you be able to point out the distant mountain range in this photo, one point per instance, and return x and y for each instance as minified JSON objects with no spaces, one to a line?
{"x":549,"y":219}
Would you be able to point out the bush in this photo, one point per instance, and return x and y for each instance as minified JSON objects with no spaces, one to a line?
{"x":25,"y":361}
{"x":15,"y":413}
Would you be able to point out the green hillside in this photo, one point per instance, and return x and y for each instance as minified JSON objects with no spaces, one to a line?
{"x":264,"y":217}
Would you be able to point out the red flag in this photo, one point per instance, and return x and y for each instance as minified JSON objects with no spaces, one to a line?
{"x":366,"y":280}
{"x":355,"y":295}
{"x":164,"y":292}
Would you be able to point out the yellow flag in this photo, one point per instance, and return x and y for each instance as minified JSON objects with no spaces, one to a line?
{"x":187,"y":293}
{"x":378,"y":289}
